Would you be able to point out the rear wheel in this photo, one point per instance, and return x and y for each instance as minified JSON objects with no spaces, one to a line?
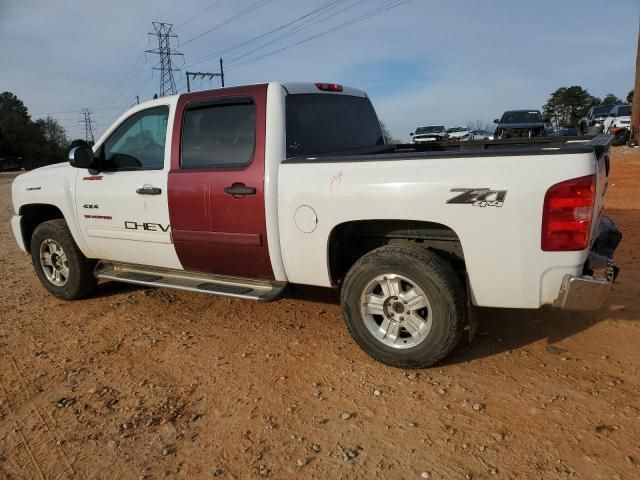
{"x":404,"y":306}
{"x":59,"y":263}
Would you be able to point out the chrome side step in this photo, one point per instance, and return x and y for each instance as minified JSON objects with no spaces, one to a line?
{"x":261,"y":290}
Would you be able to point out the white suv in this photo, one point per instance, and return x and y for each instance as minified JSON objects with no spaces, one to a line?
{"x":619,"y":117}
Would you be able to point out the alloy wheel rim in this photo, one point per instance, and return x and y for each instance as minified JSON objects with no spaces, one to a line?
{"x":396,"y":311}
{"x":54,"y":262}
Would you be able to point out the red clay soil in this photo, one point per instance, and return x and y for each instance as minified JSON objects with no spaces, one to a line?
{"x":144,"y":383}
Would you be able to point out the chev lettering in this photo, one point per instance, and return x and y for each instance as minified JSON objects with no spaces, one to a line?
{"x":479,"y":197}
{"x":149,"y":227}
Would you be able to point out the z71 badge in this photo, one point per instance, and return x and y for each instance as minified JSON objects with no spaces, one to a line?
{"x":479,"y":197}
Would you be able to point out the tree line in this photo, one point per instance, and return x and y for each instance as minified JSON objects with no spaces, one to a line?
{"x":567,"y":105}
{"x":25,"y":143}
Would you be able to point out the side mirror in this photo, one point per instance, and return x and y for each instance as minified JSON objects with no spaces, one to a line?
{"x":411,"y":134}
{"x":496,"y":120}
{"x":81,"y":157}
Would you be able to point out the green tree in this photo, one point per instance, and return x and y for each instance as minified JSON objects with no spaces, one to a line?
{"x":611,"y":99}
{"x":24,"y":143}
{"x":57,"y":143}
{"x":16,"y":129}
{"x":568,"y":104}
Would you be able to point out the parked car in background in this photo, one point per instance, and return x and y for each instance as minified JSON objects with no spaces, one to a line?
{"x":429,"y":133}
{"x":618,"y":123}
{"x":481,"y":135}
{"x":458,"y":133}
{"x":619,"y":117}
{"x":520,"y":124}
{"x":594,"y":118}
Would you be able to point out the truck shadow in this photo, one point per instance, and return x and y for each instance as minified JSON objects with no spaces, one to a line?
{"x":501,"y":330}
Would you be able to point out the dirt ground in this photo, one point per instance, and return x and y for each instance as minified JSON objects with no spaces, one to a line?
{"x":144,"y":383}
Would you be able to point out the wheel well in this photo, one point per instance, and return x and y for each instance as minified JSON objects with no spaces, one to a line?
{"x":33,"y":215}
{"x":350,"y":241}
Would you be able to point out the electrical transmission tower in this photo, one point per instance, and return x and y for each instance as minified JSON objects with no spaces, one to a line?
{"x":163,"y":32}
{"x":88,"y":126}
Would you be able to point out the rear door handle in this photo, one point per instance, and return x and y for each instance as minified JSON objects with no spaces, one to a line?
{"x":149,"y":190}
{"x":239,"y":189}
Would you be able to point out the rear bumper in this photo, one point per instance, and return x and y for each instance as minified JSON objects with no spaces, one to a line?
{"x":589,"y":291}
{"x":16,"y":226}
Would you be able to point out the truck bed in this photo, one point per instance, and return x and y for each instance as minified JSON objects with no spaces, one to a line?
{"x":472,"y":148}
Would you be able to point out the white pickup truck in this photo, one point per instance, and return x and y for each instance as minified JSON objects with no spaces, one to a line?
{"x":242,"y":190}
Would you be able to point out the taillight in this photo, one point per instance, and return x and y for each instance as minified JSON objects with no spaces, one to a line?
{"x":329,"y":87}
{"x":567,"y":214}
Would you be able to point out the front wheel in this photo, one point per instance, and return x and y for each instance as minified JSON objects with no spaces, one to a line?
{"x":59,"y":263}
{"x":404,"y":306}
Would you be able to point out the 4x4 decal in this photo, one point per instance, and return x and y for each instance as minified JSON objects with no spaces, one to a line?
{"x":479,"y":197}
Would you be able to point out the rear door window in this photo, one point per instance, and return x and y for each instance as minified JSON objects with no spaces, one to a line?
{"x":222,"y":134}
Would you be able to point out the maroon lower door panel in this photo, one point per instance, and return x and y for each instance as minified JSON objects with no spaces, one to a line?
{"x":213,"y":231}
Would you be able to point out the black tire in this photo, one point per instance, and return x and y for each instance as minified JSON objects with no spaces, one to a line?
{"x":80,"y":281}
{"x":437,"y":279}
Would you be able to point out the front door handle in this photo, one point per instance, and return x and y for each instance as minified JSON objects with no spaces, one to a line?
{"x":149,"y":190}
{"x":239,"y":189}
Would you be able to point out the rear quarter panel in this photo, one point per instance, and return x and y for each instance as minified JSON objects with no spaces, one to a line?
{"x":506,"y":266}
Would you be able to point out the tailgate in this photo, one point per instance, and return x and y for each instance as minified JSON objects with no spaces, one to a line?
{"x":601,"y":145}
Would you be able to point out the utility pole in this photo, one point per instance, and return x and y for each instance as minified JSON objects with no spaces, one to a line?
{"x":635,"y":107}
{"x":88,"y":127}
{"x":209,"y":75}
{"x":163,"y":32}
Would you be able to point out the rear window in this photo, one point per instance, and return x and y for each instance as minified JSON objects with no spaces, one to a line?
{"x":521,"y":117}
{"x":323,"y":123}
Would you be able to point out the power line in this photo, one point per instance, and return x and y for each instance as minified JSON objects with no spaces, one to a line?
{"x":117,"y":87}
{"x":233,"y":18}
{"x":209,"y":75}
{"x":163,"y":32}
{"x":308,"y":24}
{"x":199,"y":14}
{"x":74,"y":111}
{"x":365,"y":16}
{"x":326,"y":6}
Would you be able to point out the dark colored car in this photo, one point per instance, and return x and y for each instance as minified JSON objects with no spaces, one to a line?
{"x":520,"y":124}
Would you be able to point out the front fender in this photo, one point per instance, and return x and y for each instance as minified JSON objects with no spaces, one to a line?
{"x":55,"y":186}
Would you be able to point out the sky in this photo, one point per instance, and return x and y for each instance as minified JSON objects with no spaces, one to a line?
{"x":421,"y":61}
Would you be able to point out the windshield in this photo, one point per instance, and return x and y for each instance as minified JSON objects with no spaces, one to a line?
{"x":430,"y":129}
{"x":601,"y":110}
{"x":321,"y":123}
{"x":521,"y":117}
{"x":624,"y":111}
{"x":456,"y":129}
